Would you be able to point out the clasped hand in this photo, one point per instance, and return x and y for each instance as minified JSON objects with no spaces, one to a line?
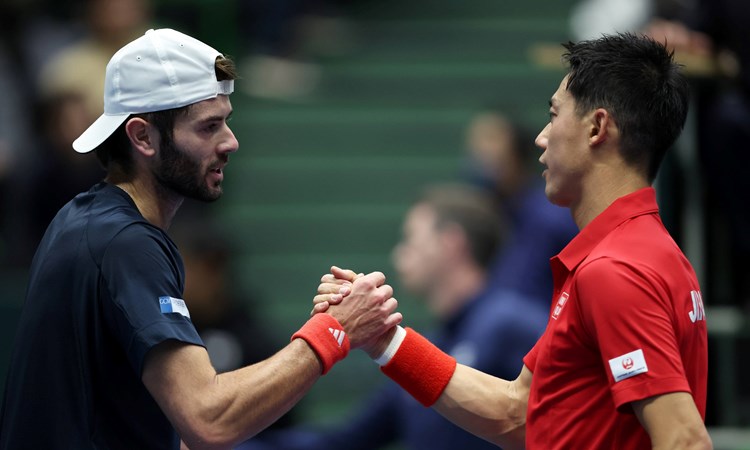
{"x":363,"y":305}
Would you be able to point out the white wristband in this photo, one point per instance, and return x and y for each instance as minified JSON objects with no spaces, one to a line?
{"x":392,"y":348}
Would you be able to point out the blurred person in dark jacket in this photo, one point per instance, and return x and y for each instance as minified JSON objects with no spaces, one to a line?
{"x":503,"y":160}
{"x":450,"y":235}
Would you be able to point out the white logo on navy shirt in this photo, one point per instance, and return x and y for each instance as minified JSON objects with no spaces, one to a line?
{"x":173,"y":305}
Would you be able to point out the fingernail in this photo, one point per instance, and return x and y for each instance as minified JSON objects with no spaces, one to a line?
{"x":344,"y":290}
{"x":336,"y":297}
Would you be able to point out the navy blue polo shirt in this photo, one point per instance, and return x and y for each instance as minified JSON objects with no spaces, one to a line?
{"x":105,"y":287}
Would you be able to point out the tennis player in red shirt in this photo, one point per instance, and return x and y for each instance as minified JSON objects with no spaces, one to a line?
{"x":623,"y":361}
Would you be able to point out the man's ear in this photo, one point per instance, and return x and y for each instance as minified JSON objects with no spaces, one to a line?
{"x":454,"y":238}
{"x":142,"y":135}
{"x":601,"y":127}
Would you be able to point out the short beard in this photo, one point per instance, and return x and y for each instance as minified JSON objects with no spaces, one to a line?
{"x":178,"y":172}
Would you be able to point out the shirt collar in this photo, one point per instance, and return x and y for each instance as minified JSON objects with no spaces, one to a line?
{"x":640,"y":202}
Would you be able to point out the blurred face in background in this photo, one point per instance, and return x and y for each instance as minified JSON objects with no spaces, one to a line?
{"x":490,"y":143}
{"x":418,"y":257}
{"x":66,"y":117}
{"x":119,"y":21}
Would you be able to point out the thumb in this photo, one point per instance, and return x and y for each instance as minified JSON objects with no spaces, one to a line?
{"x":343,"y":274}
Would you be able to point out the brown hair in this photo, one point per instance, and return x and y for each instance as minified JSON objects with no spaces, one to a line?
{"x":472,"y":210}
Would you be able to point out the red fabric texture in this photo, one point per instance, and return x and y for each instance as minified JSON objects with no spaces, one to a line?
{"x":420,"y":368}
{"x":325,"y":335}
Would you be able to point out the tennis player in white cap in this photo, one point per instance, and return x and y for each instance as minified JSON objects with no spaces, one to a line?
{"x":106,"y":355}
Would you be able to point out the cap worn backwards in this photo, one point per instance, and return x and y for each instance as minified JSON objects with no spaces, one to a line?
{"x":163,"y":69}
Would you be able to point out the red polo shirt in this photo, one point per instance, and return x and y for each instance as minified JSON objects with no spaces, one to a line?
{"x":626,"y":323}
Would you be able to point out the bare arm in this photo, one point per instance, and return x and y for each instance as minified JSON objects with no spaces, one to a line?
{"x":211,"y":410}
{"x":489,"y":407}
{"x":673,"y":422}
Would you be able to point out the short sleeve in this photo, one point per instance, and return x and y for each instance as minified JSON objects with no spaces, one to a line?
{"x":628,"y":312}
{"x":141,"y":291}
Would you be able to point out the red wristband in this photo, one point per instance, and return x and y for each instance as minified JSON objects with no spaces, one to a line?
{"x":419,"y":367}
{"x":325,"y":335}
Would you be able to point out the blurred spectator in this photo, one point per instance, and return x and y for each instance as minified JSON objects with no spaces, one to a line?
{"x":59,"y":173}
{"x":718,"y":28}
{"x":34,"y":30}
{"x":711,"y":37}
{"x":503,"y":159}
{"x":449,"y":237}
{"x":14,"y":138}
{"x":77,"y":68}
{"x":589,"y":19}
{"x":70,"y":96}
{"x":285,"y":37}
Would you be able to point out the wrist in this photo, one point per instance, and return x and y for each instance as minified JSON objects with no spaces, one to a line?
{"x":388,"y":346}
{"x":420,"y":368}
{"x":325,"y":335}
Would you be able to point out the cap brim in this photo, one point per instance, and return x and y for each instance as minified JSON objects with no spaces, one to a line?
{"x":98,"y":132}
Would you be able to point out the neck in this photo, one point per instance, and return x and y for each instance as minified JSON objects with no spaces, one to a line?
{"x":602,"y":189}
{"x":455,"y":289}
{"x":157,"y":204}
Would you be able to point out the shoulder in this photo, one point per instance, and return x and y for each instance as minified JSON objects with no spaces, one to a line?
{"x":115,"y":227}
{"x":640,"y":238}
{"x":611,"y":272}
{"x":140,"y":237}
{"x":609,"y":288}
{"x":639,"y":249}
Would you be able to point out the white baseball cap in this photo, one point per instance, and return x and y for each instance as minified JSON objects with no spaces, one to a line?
{"x":163,"y":69}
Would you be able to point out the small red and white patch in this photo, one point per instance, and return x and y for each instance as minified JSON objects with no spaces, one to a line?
{"x":560,"y":305}
{"x":628,"y":365}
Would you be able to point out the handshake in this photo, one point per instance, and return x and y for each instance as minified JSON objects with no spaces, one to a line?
{"x":362,"y":304}
{"x":358,"y":311}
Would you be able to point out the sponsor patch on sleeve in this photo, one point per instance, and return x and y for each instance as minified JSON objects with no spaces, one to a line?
{"x":173,"y":305}
{"x":628,"y":365}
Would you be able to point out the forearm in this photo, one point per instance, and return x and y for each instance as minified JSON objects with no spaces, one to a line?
{"x":248,"y":400}
{"x":489,"y":407}
{"x":683,"y":438}
{"x":672,"y":421}
{"x":211,"y":410}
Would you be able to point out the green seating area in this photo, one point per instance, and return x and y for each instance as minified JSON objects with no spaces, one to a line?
{"x":326,"y":180}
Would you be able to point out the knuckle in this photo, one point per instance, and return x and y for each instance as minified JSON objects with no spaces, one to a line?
{"x":366,"y":283}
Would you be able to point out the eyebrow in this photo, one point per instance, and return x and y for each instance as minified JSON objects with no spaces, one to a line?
{"x":216,"y":118}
